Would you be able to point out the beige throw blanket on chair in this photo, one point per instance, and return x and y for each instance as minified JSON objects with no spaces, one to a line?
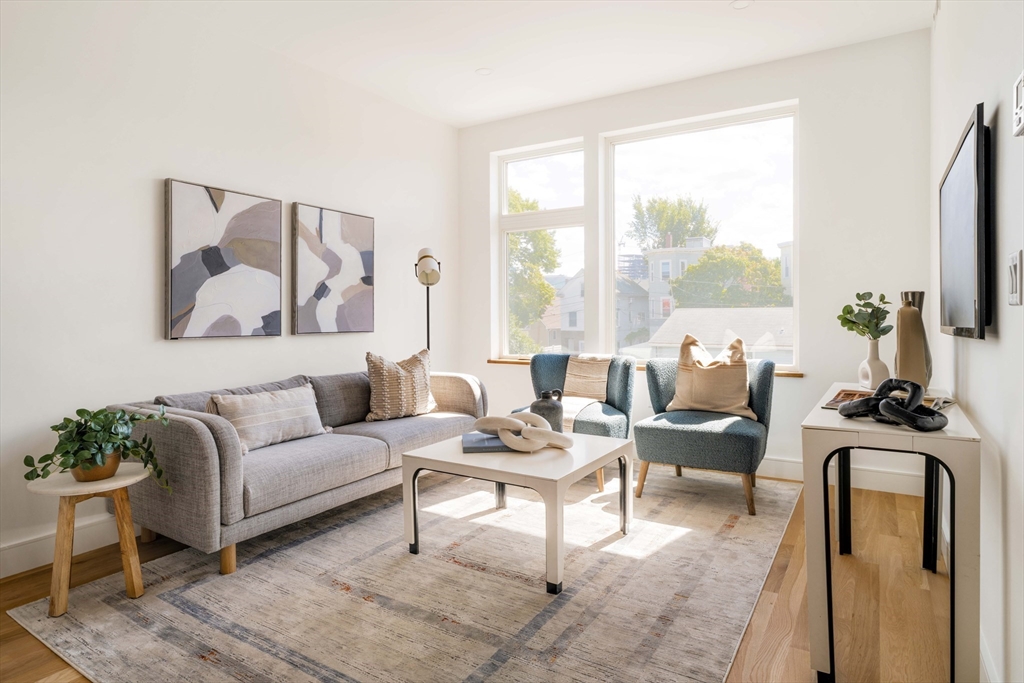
{"x":586,"y":382}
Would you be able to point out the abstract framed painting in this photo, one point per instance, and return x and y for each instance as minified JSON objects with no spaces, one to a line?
{"x":332,"y":270}
{"x":223,"y":263}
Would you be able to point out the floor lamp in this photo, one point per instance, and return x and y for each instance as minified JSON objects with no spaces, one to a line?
{"x":428,"y":272}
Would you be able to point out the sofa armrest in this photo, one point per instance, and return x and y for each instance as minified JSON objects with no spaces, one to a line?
{"x":187,"y":453}
{"x":458,"y":393}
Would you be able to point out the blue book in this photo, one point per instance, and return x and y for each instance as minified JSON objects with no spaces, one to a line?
{"x":478,"y":442}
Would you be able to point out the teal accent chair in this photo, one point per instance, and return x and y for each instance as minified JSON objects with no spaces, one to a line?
{"x":700,"y":439}
{"x":609,"y":418}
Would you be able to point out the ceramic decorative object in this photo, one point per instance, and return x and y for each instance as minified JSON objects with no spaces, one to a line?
{"x":913,"y":357}
{"x":524,"y":432}
{"x":549,"y":406}
{"x":98,"y":472}
{"x":872,"y":371}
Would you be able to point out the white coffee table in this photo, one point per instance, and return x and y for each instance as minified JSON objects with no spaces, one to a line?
{"x":549,"y":471}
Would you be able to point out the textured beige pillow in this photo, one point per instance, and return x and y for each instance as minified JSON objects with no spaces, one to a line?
{"x":719,"y":385}
{"x":399,"y":389}
{"x":269,"y":417}
{"x":587,"y":376}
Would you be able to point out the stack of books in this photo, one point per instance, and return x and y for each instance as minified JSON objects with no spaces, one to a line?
{"x":478,"y":442}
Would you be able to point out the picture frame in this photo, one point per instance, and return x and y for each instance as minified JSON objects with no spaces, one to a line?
{"x":332,"y":271}
{"x":223,"y":262}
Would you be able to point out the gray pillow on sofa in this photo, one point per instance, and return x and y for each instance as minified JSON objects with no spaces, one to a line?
{"x":269,"y":417}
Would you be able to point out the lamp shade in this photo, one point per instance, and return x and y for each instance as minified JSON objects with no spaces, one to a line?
{"x":428,"y":270}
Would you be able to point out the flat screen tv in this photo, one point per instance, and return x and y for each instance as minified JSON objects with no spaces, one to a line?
{"x":964,"y":293}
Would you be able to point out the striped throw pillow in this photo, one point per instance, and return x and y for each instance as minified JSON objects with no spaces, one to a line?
{"x":399,"y":389}
{"x":269,"y":417}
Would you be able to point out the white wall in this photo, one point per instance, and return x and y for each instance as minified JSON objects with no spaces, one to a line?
{"x":862,"y":207}
{"x":977,"y":53}
{"x":100,"y":103}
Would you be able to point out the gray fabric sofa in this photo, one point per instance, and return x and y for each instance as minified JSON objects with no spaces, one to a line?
{"x":221,"y":497}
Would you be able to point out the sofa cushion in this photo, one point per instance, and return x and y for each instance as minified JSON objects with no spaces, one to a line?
{"x":269,"y":417}
{"x":342,"y":399}
{"x":406,"y":433}
{"x":697,"y":438}
{"x":399,"y":389}
{"x":196,"y":400}
{"x":286,"y":472}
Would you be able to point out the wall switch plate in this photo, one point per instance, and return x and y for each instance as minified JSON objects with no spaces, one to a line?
{"x":1018,"y":106}
{"x":1016,"y":275}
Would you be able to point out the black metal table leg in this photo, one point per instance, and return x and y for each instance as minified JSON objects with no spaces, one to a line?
{"x":414,"y":547}
{"x":499,"y":496}
{"x":931,"y":514}
{"x":843,"y":501}
{"x":624,"y":493}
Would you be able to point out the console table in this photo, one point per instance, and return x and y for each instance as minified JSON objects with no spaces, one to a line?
{"x":957,"y":450}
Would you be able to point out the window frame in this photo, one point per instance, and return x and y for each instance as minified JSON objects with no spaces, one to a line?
{"x":544,"y":219}
{"x":789,"y":109}
{"x":597,"y":219}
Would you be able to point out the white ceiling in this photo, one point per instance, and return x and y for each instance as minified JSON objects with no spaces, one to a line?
{"x":424,"y":55}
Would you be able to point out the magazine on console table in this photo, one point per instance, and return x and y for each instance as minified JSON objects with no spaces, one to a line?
{"x":844,"y":395}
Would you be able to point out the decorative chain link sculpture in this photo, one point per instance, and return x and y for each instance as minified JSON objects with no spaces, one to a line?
{"x":523,"y":432}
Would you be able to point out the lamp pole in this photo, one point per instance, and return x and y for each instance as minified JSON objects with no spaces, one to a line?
{"x":428,"y":318}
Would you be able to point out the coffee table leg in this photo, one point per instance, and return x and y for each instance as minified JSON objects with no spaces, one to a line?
{"x":60,"y":580}
{"x":625,"y":492}
{"x":555,"y":544}
{"x":499,"y":496}
{"x":410,"y":494}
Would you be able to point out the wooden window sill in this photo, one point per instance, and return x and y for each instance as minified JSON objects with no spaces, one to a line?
{"x":639,"y":368}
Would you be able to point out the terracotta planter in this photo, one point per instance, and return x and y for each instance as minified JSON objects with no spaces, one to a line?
{"x":109,"y":469}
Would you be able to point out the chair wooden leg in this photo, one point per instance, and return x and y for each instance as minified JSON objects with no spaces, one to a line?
{"x":748,"y":488}
{"x":679,"y":470}
{"x":753,"y":479}
{"x":642,"y":478}
{"x":147,"y":535}
{"x":600,"y":480}
{"x":227,"y":559}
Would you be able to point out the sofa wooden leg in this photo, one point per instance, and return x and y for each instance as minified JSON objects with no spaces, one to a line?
{"x":600,"y":480}
{"x":147,"y":535}
{"x":753,"y":479}
{"x":227,"y":559}
{"x":748,"y":488}
{"x":642,"y":478}
{"x":679,"y":470}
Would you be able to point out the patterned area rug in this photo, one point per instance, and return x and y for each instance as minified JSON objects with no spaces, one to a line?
{"x":339,"y":598}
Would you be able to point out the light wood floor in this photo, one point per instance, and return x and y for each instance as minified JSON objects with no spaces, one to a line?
{"x":892,"y":618}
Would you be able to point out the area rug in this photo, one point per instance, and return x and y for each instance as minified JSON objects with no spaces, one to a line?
{"x":338,"y":597}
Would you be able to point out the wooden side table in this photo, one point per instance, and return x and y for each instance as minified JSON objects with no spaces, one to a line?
{"x":71,"y":493}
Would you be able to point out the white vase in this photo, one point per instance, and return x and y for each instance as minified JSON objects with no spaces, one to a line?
{"x":872,"y":371}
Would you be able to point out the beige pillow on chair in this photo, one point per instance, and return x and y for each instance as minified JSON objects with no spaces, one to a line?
{"x":718,"y":385}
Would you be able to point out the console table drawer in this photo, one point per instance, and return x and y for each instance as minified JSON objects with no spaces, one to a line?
{"x":893,"y":442}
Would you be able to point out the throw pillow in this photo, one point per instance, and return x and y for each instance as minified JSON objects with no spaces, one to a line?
{"x":269,"y":417}
{"x":718,"y":385}
{"x":399,"y":389}
{"x":587,"y":376}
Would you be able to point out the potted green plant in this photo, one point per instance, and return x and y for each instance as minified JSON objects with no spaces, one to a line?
{"x":867,"y":319}
{"x":93,"y":446}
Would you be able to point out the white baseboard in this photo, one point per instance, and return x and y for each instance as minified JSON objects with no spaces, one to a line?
{"x":989,"y":670}
{"x":873,"y":478}
{"x":91,"y":532}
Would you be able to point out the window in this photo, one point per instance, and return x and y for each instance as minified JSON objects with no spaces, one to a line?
{"x":717,"y":199}
{"x":689,"y":226}
{"x":543,"y":238}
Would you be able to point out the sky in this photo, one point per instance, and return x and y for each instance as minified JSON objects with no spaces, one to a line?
{"x":744,"y":173}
